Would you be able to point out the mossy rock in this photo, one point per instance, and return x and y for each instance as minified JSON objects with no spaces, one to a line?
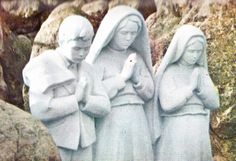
{"x":24,"y":138}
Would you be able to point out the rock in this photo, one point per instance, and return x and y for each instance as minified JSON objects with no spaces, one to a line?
{"x":25,"y":95}
{"x":131,"y":3}
{"x":161,"y":29}
{"x":24,"y":138}
{"x":23,"y":9}
{"x":220,"y":30}
{"x":222,"y":58}
{"x":182,"y":7}
{"x":146,"y":7}
{"x":22,"y":16}
{"x":3,"y":86}
{"x":96,"y":10}
{"x":23,"y":25}
{"x":14,"y":54}
{"x":29,"y":8}
{"x":95,"y":7}
{"x":27,"y":16}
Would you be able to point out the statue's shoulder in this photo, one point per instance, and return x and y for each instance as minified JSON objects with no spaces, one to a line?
{"x":46,"y":56}
{"x":104,"y":55}
{"x":87,"y":67}
{"x":171,"y":69}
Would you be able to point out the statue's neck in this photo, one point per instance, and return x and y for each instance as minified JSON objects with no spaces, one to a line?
{"x":115,"y":50}
{"x":185,"y":65}
{"x":67,"y":61}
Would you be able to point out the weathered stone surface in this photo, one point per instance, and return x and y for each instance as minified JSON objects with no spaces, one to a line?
{"x":26,"y":16}
{"x":95,"y":7}
{"x":96,"y":10}
{"x":24,"y":8}
{"x":222,"y":58}
{"x":14,"y":54}
{"x":28,"y":8}
{"x":3,"y":86}
{"x":24,"y":138}
{"x":146,"y":7}
{"x":161,"y":29}
{"x":131,"y":3}
{"x":219,"y":26}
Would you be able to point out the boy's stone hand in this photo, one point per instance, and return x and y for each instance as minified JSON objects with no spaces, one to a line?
{"x":81,"y":88}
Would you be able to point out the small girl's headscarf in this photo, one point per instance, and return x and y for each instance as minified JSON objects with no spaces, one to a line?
{"x":175,"y":51}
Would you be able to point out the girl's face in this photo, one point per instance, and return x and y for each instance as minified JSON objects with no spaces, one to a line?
{"x":125,"y":36}
{"x":192,"y":53}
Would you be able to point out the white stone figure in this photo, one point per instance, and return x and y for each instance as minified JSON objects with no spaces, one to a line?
{"x":64,"y":91}
{"x":121,"y":54}
{"x":186,"y":94}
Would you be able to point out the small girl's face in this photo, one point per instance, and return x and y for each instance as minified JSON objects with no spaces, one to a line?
{"x":192,"y":52}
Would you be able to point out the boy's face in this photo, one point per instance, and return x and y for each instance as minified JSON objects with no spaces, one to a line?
{"x":76,"y":50}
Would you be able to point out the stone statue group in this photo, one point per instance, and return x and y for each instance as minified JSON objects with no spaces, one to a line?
{"x":101,"y":101}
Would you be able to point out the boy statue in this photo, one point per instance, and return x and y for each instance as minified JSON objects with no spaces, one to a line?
{"x":64,"y":92}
